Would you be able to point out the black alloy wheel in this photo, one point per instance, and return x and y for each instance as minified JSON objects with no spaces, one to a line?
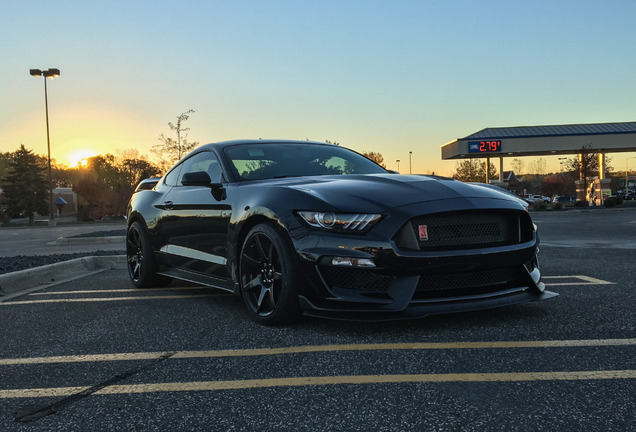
{"x":267,"y":277}
{"x":141,"y":264}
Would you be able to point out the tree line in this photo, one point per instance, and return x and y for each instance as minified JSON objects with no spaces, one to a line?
{"x":103,"y":184}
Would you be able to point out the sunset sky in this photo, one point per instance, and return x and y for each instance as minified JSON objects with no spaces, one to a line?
{"x":383,"y":76}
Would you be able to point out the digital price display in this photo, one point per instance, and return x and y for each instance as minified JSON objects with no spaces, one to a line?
{"x":484,"y":146}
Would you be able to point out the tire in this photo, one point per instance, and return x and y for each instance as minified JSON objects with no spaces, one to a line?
{"x":140,"y":259}
{"x":267,"y":277}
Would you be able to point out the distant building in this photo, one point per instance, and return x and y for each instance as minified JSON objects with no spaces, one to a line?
{"x":509,"y":181}
{"x":67,"y":194}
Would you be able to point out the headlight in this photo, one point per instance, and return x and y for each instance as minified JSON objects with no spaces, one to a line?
{"x":340,"y":221}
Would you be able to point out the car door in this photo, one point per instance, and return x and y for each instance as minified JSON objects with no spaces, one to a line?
{"x":194,"y":223}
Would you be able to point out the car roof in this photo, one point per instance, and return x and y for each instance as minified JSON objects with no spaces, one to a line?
{"x":223,"y":144}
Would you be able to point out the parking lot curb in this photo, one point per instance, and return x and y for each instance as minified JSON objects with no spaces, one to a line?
{"x":52,"y":274}
{"x":84,"y":240}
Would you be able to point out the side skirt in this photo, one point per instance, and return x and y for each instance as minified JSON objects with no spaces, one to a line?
{"x":184,"y":275}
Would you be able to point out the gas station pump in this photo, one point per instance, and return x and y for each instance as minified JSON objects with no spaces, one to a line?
{"x":598,"y":191}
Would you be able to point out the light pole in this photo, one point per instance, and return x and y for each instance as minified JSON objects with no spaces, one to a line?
{"x":410,"y":170}
{"x":398,"y":162}
{"x":50,"y":73}
{"x":626,"y":176}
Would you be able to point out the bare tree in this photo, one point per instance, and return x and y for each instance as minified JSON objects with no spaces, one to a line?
{"x":517,"y":166}
{"x":171,"y":150}
{"x":537,"y":166}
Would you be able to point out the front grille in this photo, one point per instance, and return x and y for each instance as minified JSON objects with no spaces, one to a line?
{"x":356,"y":279}
{"x":463,"y":284}
{"x":465,"y":230}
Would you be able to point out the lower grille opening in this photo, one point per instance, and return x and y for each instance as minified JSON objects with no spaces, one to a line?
{"x":430,"y":286}
{"x":465,"y":284}
{"x":356,"y":279}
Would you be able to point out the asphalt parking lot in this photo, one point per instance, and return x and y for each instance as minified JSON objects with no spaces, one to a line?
{"x":95,"y":354}
{"x":42,"y":240}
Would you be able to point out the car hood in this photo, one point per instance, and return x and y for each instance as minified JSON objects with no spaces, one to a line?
{"x":380,"y":192}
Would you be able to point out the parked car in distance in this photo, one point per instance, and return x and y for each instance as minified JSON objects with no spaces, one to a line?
{"x":536,"y":199}
{"x":299,"y":227}
{"x":147,"y":184}
{"x":630,"y":195}
{"x":565,"y":200}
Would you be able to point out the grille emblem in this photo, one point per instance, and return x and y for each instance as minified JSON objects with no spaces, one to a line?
{"x":423,"y":230}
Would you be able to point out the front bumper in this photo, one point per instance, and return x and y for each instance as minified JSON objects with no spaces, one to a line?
{"x":418,"y":284}
{"x":414,"y":278}
{"x":420,"y":310}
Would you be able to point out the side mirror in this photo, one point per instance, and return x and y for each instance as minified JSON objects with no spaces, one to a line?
{"x":197,"y":178}
{"x":202,"y":178}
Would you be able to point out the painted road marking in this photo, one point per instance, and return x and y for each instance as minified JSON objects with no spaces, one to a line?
{"x":109,"y":299}
{"x":321,"y":381}
{"x":43,"y":293}
{"x":321,"y":348}
{"x":575,"y":280}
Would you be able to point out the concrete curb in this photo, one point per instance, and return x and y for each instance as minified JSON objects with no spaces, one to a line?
{"x":85,"y":240}
{"x":59,"y":272}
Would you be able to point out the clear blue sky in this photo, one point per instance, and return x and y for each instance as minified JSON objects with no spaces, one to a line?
{"x":384,"y":76}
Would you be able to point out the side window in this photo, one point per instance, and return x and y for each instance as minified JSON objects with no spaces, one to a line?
{"x":172,"y":176}
{"x":204,"y":161}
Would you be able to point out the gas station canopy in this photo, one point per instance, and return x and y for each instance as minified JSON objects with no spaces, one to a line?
{"x":543,"y":140}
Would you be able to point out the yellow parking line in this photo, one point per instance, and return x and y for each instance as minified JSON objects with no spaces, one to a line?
{"x":43,"y":293}
{"x":321,"y":348}
{"x":583,"y":280}
{"x":404,"y":346}
{"x":323,"y":380}
{"x":594,"y":281}
{"x":108,"y":299}
{"x":42,"y":392}
{"x":82,"y":358}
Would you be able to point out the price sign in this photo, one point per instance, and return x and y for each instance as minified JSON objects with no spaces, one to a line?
{"x":492,"y":146}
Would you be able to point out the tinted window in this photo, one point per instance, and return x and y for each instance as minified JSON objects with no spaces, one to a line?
{"x":171,"y":178}
{"x":263,"y":161}
{"x":204,"y":161}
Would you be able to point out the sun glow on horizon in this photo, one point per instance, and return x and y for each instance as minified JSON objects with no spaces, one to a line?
{"x":79,"y":158}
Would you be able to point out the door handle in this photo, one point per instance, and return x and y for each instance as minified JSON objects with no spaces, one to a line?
{"x":168,"y":204}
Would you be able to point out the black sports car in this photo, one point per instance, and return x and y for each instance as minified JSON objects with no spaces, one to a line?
{"x":305,"y":227}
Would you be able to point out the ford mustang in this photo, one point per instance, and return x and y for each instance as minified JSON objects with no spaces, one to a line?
{"x":299,"y":227}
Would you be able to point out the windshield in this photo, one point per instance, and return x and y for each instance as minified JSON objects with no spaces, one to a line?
{"x":277,"y":160}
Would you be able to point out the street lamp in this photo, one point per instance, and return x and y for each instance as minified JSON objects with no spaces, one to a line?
{"x":410,"y":170}
{"x":398,"y":162}
{"x":50,"y":73}
{"x":626,"y":176}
